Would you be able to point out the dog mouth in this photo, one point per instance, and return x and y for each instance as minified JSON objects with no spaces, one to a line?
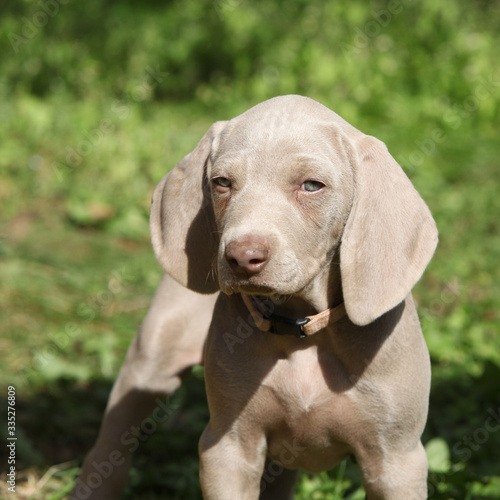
{"x":247,"y":287}
{"x":258,"y":285}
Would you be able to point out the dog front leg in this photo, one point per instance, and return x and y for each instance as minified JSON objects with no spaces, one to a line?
{"x":400,"y":475}
{"x":229,"y":468}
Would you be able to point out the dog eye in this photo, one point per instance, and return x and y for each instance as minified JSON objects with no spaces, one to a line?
{"x":312,"y":186}
{"x":222,"y":182}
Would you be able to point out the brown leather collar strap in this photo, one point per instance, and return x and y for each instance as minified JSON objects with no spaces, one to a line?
{"x":309,"y":325}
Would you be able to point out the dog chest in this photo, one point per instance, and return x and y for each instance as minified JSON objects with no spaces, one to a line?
{"x":307,"y":422}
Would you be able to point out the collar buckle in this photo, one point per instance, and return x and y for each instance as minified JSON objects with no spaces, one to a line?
{"x":281,"y":325}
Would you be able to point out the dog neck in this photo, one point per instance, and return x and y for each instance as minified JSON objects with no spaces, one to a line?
{"x":313,"y":308}
{"x":298,"y":315}
{"x":268,"y":321}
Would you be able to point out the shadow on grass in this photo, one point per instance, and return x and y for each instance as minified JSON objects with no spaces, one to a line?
{"x":167,"y":464}
{"x":60,"y":424}
{"x":465,"y":412}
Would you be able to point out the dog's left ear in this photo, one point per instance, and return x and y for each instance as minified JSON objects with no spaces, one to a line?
{"x":183,"y":229}
{"x":389,"y":238}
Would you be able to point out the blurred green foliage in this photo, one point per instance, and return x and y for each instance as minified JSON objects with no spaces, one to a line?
{"x":99,"y":99}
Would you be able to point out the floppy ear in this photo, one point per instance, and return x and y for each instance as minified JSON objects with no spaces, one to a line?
{"x":389,"y":238}
{"x":182,"y":223}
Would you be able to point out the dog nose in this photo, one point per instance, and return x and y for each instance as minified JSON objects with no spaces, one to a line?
{"x":248,"y":256}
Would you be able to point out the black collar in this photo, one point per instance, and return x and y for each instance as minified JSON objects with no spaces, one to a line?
{"x":262,"y":311}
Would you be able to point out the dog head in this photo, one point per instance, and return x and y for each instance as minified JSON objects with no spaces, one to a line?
{"x":269,"y":201}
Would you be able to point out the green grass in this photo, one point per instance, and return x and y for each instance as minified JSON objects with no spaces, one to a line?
{"x":91,"y":122}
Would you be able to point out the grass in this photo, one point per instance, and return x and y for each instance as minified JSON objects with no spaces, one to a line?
{"x":81,"y":153}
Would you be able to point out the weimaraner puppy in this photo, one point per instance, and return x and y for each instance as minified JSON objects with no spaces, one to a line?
{"x":315,"y":237}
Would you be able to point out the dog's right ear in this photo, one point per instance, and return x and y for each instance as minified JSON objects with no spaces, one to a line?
{"x":182,"y":223}
{"x":389,"y":238}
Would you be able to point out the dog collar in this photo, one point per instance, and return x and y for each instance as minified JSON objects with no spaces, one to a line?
{"x":267,"y":321}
